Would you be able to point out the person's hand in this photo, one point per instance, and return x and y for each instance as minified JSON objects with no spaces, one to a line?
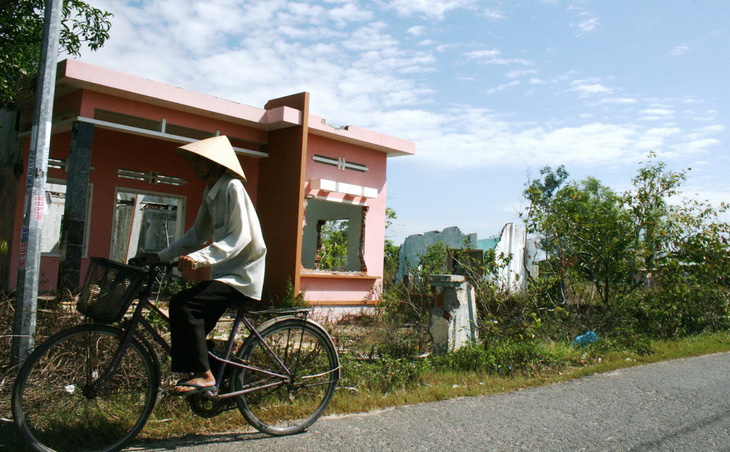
{"x":144,"y":258}
{"x":186,"y":263}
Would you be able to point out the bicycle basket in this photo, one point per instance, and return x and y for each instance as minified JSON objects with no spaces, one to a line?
{"x":109,"y":289}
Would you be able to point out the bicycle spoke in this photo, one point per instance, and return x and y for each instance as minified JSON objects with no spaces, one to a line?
{"x":308,"y":353}
{"x":56,"y":403}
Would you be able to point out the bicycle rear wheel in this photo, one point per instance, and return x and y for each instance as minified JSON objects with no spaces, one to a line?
{"x":288,"y":406}
{"x":56,"y":405}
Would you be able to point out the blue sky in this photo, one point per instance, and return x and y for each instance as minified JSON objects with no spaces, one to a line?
{"x":490,"y":91}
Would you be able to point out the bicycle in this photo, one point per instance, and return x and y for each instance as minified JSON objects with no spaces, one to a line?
{"x":94,"y":386}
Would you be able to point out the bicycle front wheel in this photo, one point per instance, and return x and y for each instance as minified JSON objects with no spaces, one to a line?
{"x":59,"y":405}
{"x":291,"y":405}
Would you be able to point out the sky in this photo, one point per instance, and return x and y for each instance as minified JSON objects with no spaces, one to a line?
{"x":490,"y":92}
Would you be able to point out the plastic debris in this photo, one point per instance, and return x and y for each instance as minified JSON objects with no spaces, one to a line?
{"x":584,"y":339}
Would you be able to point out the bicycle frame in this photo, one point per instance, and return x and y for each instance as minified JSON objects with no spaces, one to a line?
{"x":105,"y":377}
{"x":138,"y":318}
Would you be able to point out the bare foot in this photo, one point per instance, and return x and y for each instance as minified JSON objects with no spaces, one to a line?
{"x":199,"y":382}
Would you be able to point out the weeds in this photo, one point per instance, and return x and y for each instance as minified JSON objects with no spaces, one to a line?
{"x":386,"y":356}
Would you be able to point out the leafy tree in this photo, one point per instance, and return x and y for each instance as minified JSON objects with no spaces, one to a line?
{"x":21,"y":33}
{"x":390,"y":267}
{"x":648,"y":204}
{"x":591,"y":234}
{"x":660,"y":266}
{"x":540,"y":193}
{"x":333,"y":252}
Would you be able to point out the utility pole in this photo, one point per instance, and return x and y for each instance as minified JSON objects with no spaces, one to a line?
{"x":35,"y":195}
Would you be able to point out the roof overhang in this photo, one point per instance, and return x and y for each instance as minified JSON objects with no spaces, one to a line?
{"x":73,"y":75}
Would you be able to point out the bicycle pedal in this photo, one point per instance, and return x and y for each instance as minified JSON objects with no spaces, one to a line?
{"x":208,"y":407}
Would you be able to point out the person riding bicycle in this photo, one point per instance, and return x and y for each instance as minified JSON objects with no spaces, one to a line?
{"x":227,"y":237}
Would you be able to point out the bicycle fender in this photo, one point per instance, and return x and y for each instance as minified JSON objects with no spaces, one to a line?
{"x":275,"y":320}
{"x":270,"y":322}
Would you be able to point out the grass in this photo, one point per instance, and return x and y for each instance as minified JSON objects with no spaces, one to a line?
{"x":416,"y":380}
{"x":448,"y":384}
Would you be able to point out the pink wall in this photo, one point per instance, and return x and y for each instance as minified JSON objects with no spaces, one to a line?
{"x":322,"y":290}
{"x":113,"y":150}
{"x":126,"y":94}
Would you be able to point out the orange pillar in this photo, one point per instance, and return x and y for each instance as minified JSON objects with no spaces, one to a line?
{"x":280,"y":197}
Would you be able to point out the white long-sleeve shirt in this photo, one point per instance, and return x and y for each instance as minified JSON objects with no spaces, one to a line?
{"x":237,"y":252}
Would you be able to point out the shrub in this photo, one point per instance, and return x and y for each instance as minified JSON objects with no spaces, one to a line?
{"x":505,"y":357}
{"x":383,"y":374}
{"x":683,"y":308}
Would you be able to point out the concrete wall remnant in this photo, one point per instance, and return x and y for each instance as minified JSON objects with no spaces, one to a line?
{"x":453,"y":317}
{"x":511,"y":245}
{"x":416,"y":245}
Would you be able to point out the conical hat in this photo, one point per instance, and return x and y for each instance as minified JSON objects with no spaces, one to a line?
{"x":217,"y":149}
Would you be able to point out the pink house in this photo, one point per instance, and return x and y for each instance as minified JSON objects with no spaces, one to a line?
{"x":116,"y":183}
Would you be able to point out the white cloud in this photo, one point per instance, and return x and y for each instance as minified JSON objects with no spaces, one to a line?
{"x":679,"y":50}
{"x":359,"y":72}
{"x":521,"y":73}
{"x":417,"y":30}
{"x":587,"y":25}
{"x":588,"y":22}
{"x":589,"y":89}
{"x":429,"y":9}
{"x":503,"y":87}
{"x":492,"y":56}
{"x":656,"y":114}
{"x":493,"y":14}
{"x":483,"y":54}
{"x":700,"y":146}
{"x":618,"y":100}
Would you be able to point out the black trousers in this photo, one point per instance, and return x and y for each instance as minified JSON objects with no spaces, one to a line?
{"x":193,"y":314}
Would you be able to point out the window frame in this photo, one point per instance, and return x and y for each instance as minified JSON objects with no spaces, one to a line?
{"x":182,"y":207}
{"x":87,"y":221}
{"x":356,"y":242}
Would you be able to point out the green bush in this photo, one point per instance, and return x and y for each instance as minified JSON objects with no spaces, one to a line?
{"x":382,"y":375}
{"x":682,"y":308}
{"x":506,"y":357}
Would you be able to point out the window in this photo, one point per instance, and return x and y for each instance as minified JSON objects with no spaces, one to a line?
{"x":332,"y":244}
{"x":53,"y":218}
{"x":145,"y":221}
{"x":333,"y":236}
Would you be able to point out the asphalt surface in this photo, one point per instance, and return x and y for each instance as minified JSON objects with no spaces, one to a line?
{"x":681,"y":405}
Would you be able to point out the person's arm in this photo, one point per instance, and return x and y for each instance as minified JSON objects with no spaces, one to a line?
{"x":192,"y":240}
{"x":230,"y":238}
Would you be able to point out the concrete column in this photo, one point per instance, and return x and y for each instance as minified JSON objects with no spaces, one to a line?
{"x":453,"y":315}
{"x":77,"y":195}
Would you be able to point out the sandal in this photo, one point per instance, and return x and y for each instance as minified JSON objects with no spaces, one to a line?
{"x":196,"y":388}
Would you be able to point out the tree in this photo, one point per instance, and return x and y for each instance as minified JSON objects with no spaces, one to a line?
{"x":648,"y":204}
{"x":21,"y":31}
{"x":390,"y":255}
{"x":585,"y":231}
{"x":540,"y":193}
{"x":333,"y":250}
{"x":596,"y":233}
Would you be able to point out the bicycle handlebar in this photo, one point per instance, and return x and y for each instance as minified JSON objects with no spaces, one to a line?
{"x":140,"y":262}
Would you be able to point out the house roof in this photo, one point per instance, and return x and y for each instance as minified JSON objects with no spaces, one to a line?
{"x":73,"y":75}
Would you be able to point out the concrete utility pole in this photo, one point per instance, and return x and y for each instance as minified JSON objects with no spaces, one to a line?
{"x":35,"y":195}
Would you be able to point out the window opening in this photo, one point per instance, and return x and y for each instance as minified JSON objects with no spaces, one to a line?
{"x":151,"y":177}
{"x":145,"y":221}
{"x":188,"y":132}
{"x":331,"y":245}
{"x":340,"y":163}
{"x":127,"y":120}
{"x":55,"y":205}
{"x":53,"y":220}
{"x":333,"y":236}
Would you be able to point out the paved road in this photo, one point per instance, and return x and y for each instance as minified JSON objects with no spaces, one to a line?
{"x":681,"y":405}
